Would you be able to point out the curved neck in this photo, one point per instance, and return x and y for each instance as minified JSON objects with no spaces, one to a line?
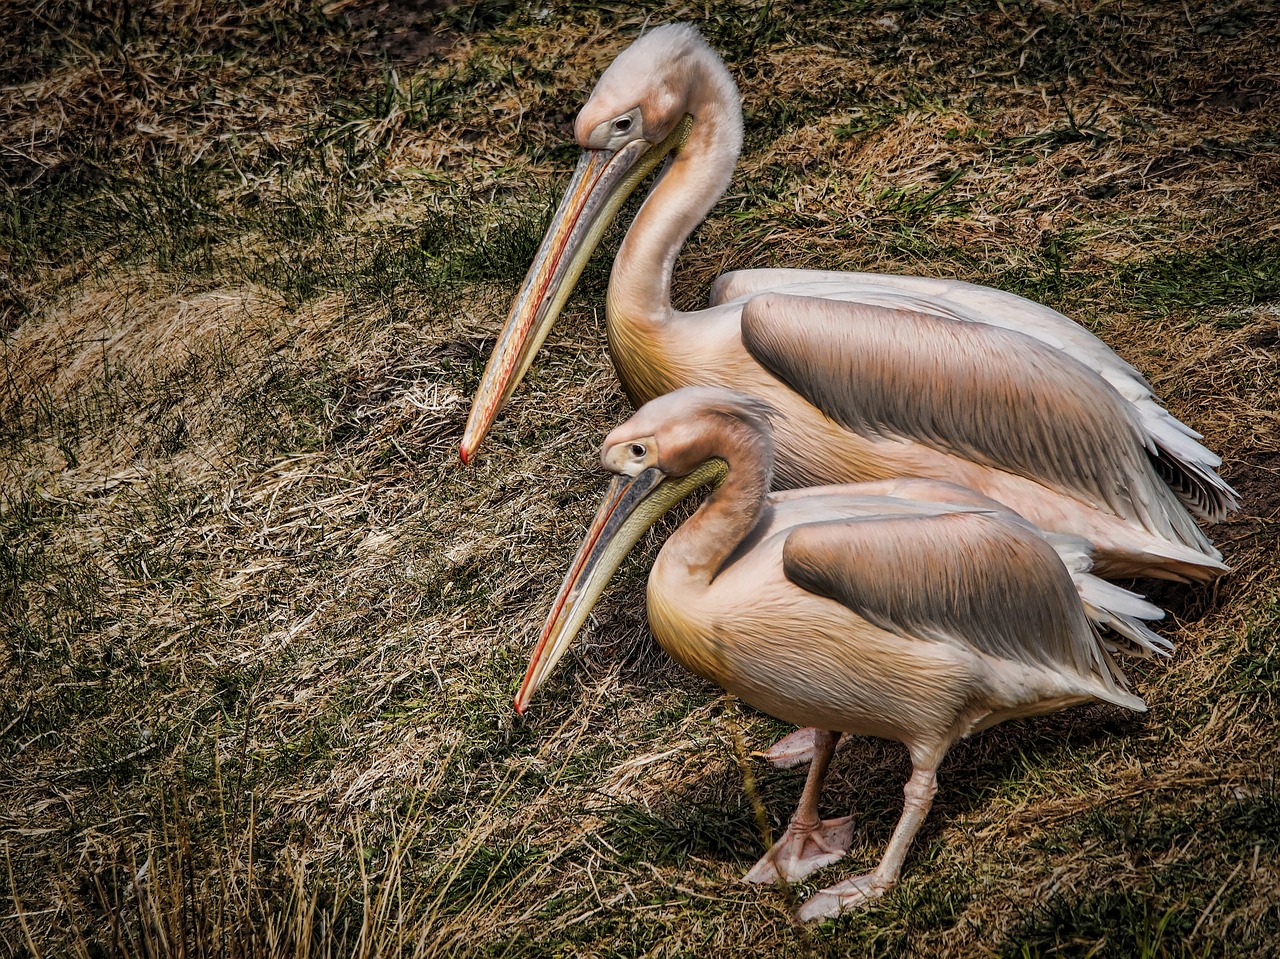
{"x":703,"y":545}
{"x":687,"y":188}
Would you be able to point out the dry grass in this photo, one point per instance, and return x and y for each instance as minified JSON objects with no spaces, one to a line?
{"x":261,"y":630}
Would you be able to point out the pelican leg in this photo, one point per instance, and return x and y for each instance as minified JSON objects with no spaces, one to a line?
{"x":794,"y":749}
{"x":860,"y":890}
{"x":809,"y":842}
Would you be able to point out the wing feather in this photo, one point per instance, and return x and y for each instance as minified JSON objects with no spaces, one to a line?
{"x":991,"y":395}
{"x":1183,"y":462}
{"x":969,"y":579}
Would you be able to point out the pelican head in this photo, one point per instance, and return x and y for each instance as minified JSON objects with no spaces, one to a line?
{"x":643,"y":109}
{"x":671,"y":448}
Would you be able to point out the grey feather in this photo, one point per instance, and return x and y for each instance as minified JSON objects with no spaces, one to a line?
{"x":1108,"y":605}
{"x":970,"y":579}
{"x":991,"y":395}
{"x":1184,"y":463}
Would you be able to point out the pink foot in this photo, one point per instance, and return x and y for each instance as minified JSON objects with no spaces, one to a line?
{"x":853,"y":893}
{"x":800,"y":850}
{"x":793,"y":749}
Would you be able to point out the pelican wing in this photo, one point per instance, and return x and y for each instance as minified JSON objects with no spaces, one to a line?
{"x":1183,"y":462}
{"x":1105,"y":604}
{"x":990,"y":395}
{"x":969,"y":579}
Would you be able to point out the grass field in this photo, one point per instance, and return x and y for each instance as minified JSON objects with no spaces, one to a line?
{"x":260,"y":629}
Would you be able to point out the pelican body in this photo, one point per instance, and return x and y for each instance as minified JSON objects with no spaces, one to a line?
{"x":873,"y":377}
{"x":907,"y":609}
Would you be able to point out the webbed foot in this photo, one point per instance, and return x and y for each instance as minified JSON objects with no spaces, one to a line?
{"x":844,"y":896}
{"x":803,"y":849}
{"x":794,"y":749}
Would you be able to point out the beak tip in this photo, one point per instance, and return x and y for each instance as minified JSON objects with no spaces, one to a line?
{"x":520,"y":706}
{"x":465,"y":453}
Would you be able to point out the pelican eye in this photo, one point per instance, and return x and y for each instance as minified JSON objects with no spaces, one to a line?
{"x":638,"y":450}
{"x":622,"y":124}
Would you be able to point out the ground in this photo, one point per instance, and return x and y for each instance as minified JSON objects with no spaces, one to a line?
{"x":262,"y":630}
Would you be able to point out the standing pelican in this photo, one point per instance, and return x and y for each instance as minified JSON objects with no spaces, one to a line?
{"x":920,"y":620}
{"x":874,"y":376}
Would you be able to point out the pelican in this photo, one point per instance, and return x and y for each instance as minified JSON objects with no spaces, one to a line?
{"x":874,"y":376}
{"x":905,"y":609}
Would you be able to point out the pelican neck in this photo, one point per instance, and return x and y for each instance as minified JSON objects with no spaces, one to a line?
{"x":688,"y":187}
{"x":703,"y":545}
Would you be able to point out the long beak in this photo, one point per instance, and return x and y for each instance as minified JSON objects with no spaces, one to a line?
{"x":630,"y":507}
{"x":600,"y":185}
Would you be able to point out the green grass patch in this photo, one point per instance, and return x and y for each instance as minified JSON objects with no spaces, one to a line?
{"x":1228,"y":275}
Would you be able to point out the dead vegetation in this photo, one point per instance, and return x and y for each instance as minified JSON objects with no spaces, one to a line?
{"x":261,"y":630}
